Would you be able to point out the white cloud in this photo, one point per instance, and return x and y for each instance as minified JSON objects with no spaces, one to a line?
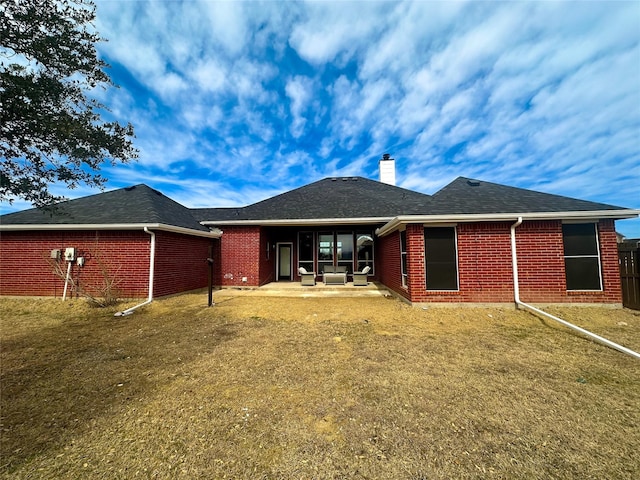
{"x":332,"y":32}
{"x":280,"y":94}
{"x":299,"y":89}
{"x":226,"y":23}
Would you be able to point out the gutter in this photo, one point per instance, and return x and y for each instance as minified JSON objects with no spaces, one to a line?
{"x":213,"y":233}
{"x":300,"y":221}
{"x":152,"y":261}
{"x":519,"y":303}
{"x":392,"y":225}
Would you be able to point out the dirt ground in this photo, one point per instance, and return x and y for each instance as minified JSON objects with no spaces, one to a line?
{"x":317,"y":388}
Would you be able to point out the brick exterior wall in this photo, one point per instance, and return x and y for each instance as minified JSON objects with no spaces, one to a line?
{"x":484,"y":262}
{"x":416,"y":263}
{"x":25,"y":267}
{"x":541,"y":262}
{"x":610,"y":263}
{"x":241,"y":251}
{"x":25,"y":264}
{"x":388,"y":263}
{"x":485,"y":268}
{"x":541,"y":265}
{"x":181,"y":263}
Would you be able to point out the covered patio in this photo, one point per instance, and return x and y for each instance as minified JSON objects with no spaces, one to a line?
{"x":295,"y":289}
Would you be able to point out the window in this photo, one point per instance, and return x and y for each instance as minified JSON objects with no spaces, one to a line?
{"x":441,"y":258}
{"x":344,"y":250}
{"x":581,"y":256}
{"x":352,"y":250}
{"x":403,"y":257}
{"x":364,"y":243}
{"x":305,"y":251}
{"x":325,"y":250}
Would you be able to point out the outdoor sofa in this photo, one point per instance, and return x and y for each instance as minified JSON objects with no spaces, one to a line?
{"x":334,"y":275}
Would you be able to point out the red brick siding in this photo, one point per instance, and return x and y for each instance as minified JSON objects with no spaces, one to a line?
{"x":484,"y":265}
{"x":388,"y":267}
{"x":415,"y":263}
{"x":541,"y":265}
{"x":485,"y":268}
{"x":610,"y":262}
{"x":240,"y":249}
{"x":541,"y":262}
{"x":25,"y":270}
{"x":180,"y":263}
{"x":484,"y":262}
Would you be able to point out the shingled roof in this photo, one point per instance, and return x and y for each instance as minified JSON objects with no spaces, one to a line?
{"x":470,"y":196}
{"x":348,"y":199}
{"x":361,"y":198}
{"x":136,"y":205}
{"x":330,"y":198}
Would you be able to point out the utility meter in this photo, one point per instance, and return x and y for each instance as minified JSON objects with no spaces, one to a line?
{"x":70,"y":254}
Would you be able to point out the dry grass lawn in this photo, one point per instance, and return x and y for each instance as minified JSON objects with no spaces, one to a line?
{"x":312,"y":388}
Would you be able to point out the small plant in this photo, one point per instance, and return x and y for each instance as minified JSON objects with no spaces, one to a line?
{"x":103,"y":294}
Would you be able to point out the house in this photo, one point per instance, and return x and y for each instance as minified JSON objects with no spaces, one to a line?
{"x":459,"y":245}
{"x":137,"y":237}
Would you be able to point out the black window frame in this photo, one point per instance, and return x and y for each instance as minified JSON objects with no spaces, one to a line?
{"x":303,"y":261}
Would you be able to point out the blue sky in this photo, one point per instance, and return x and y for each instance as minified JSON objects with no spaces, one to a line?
{"x":234,"y":102}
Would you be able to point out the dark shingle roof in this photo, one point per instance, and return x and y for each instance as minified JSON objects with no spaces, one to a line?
{"x":139,"y":204}
{"x":469,"y":196}
{"x":357,"y":197}
{"x":347,"y":197}
{"x":330,"y":198}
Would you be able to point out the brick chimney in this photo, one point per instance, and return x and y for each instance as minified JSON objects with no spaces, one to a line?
{"x":387,"y":167}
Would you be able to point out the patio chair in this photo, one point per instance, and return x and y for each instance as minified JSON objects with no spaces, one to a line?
{"x":307,"y":278}
{"x":360,"y":278}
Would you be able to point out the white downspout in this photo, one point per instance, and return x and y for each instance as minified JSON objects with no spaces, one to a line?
{"x":152,"y":261}
{"x":519,"y":303}
{"x":514,"y":261}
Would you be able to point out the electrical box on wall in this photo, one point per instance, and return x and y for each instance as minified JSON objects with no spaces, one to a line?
{"x":70,"y":254}
{"x":55,"y":254}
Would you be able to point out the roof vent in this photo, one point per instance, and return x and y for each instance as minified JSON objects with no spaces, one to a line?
{"x":473,"y":183}
{"x":334,"y":179}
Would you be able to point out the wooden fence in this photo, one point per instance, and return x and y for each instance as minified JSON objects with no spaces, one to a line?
{"x":629,"y":257}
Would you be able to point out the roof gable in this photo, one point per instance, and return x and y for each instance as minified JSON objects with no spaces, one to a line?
{"x":138,"y":204}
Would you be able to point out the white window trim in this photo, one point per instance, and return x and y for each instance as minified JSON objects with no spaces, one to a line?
{"x":404,"y":276}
